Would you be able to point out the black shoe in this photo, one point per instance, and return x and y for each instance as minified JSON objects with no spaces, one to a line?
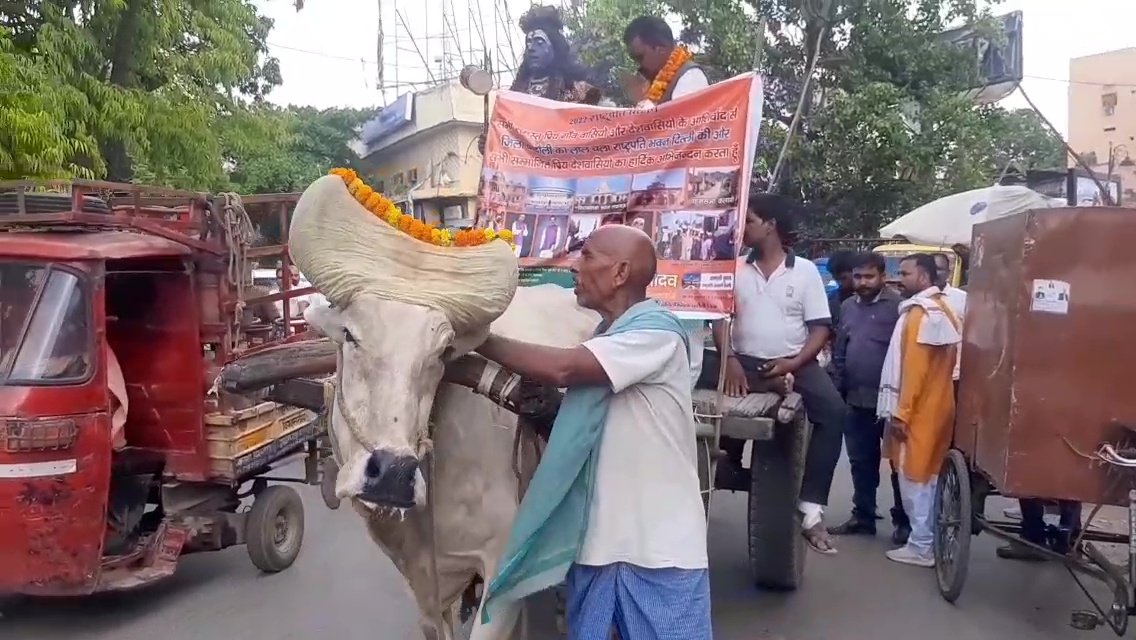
{"x":1018,"y":552}
{"x":731,"y":476}
{"x":900,"y":534}
{"x":855,"y":526}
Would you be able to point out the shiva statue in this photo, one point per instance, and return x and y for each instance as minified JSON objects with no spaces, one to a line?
{"x":548,"y":69}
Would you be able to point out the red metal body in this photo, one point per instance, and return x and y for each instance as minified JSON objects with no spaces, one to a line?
{"x":150,"y":277}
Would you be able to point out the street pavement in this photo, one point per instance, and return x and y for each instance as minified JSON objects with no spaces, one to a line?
{"x":343,"y":588}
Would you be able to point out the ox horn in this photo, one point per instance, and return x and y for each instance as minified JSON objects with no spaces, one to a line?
{"x":535,"y":402}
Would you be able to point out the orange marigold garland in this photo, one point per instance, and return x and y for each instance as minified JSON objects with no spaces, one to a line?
{"x":680,"y":56}
{"x":388,"y":212}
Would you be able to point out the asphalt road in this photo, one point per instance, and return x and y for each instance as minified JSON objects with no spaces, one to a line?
{"x":342,"y":587}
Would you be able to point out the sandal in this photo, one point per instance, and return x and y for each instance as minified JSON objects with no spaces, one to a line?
{"x":818,"y":540}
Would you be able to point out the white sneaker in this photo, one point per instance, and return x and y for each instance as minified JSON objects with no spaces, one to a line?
{"x":907,"y":555}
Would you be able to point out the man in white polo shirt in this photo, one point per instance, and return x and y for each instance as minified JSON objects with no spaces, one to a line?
{"x":782,"y":322}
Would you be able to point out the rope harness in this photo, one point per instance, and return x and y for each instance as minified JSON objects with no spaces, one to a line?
{"x":239,"y":233}
{"x":333,"y":397}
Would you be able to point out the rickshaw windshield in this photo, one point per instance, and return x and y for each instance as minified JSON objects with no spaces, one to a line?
{"x":45,"y":325}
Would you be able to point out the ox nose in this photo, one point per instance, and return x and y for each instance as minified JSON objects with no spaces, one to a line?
{"x":389,"y":479}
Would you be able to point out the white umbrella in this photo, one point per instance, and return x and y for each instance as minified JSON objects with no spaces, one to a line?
{"x":948,"y":221}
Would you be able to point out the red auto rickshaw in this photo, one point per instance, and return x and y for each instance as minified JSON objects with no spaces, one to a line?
{"x":118,"y":306}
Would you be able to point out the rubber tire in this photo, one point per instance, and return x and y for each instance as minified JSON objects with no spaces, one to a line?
{"x":260,"y":528}
{"x":951,"y":576}
{"x":329,"y":471}
{"x":777,"y":549}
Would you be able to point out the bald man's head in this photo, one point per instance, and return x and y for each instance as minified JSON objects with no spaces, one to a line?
{"x":616,"y":261}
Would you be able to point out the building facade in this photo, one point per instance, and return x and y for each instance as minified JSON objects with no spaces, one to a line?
{"x":1102,"y":118}
{"x":422,"y":149}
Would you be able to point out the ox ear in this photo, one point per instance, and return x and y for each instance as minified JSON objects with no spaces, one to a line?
{"x":327,"y":321}
{"x":465,"y":343}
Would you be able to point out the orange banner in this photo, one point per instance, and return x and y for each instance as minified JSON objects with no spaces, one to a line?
{"x":555,"y":172}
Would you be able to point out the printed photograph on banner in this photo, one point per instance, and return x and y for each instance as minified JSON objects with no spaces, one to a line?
{"x":643,"y":221}
{"x":657,"y":190}
{"x":691,"y":280}
{"x":489,"y":217}
{"x":551,"y":236}
{"x":712,"y":188}
{"x":503,"y":190}
{"x":696,"y":235}
{"x":524,"y":229}
{"x":550,"y":195}
{"x":580,"y":226}
{"x":603,"y":194}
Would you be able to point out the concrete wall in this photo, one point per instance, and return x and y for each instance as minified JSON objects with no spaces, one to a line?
{"x":1102,"y":114}
{"x":436,"y":153}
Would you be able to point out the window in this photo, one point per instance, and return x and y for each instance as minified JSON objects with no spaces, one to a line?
{"x":45,"y":325}
{"x":412,"y":176}
{"x":382,"y":186}
{"x":1108,"y":103}
{"x":398,"y":180}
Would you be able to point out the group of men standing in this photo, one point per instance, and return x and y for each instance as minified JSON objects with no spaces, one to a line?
{"x":895,"y":357}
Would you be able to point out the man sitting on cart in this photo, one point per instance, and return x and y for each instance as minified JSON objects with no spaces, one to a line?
{"x":917,"y":399}
{"x":782,"y":323}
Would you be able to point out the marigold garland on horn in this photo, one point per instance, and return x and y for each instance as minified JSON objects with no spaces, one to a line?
{"x":388,"y":212}
{"x":679,"y":56}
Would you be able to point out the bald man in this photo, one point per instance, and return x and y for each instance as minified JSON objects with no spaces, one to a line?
{"x":641,"y":567}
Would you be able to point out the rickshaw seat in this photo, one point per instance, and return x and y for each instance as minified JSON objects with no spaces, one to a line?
{"x":750,"y":417}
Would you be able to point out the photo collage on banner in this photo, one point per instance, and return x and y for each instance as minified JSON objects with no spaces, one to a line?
{"x":555,"y":173}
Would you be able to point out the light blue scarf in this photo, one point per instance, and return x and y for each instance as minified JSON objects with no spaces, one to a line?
{"x":550,"y":525}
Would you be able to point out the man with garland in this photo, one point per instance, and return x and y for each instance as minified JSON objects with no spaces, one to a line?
{"x":666,"y":69}
{"x":548,"y":69}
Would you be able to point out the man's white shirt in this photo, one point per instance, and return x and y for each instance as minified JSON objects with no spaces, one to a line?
{"x":693,"y":80}
{"x":647,"y":504}
{"x":772,"y":313}
{"x":956,"y":300}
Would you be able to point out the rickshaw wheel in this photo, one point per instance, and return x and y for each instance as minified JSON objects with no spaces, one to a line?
{"x":954,"y":523}
{"x":274,"y":531}
{"x":329,"y":472}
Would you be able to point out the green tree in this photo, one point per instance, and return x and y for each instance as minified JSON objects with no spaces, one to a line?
{"x":301,"y":144}
{"x":885,"y":123}
{"x":156,"y":83}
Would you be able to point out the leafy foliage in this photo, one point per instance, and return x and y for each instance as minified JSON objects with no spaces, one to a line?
{"x":886,"y":125}
{"x":128,"y":89}
{"x":290,"y":148}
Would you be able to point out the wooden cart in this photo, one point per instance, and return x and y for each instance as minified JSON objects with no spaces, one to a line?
{"x":1042,"y":410}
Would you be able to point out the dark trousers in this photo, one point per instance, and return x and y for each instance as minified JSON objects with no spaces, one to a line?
{"x":824,"y":407}
{"x":1036,"y":531}
{"x":863,"y":438}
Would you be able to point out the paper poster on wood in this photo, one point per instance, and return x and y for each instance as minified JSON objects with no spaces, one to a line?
{"x":1050,"y":296}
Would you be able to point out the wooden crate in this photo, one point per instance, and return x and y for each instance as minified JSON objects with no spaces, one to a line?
{"x":236,"y":439}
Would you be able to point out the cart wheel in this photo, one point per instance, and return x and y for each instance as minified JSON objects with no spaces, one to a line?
{"x":776,"y":547}
{"x":274,"y":530}
{"x":329,"y":471}
{"x":954,"y":524}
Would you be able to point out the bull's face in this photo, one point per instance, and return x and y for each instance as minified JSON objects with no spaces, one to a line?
{"x":390,"y":366}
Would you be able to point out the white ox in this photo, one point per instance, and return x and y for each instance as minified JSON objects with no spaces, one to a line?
{"x":475,"y":490}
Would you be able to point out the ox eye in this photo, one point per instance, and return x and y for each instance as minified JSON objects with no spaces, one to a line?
{"x":348,"y":337}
